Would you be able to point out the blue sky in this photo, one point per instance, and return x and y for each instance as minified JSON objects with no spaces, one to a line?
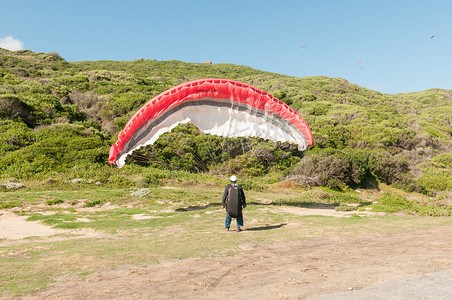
{"x":394,"y":37}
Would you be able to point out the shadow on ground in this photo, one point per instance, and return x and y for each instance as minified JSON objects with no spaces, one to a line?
{"x":266,"y":227}
{"x":197,"y":207}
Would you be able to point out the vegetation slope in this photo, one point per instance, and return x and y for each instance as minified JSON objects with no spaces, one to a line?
{"x":58,"y":120}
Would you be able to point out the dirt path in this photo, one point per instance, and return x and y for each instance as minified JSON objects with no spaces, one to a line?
{"x":303,"y":270}
{"x":14,"y":228}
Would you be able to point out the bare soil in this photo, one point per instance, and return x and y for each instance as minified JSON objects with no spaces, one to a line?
{"x":305,"y":269}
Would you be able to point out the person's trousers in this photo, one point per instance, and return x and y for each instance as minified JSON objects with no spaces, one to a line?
{"x":227,"y":223}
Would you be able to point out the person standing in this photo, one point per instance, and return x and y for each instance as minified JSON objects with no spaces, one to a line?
{"x":234,"y":200}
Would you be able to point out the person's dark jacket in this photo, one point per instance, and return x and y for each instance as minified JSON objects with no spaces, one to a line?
{"x":226,"y":192}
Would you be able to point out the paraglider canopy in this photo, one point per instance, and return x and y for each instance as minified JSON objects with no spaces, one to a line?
{"x":216,"y":106}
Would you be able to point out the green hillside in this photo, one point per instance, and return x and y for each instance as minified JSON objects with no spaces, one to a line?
{"x":58,"y":119}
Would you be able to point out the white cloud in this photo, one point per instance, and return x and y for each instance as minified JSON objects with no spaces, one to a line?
{"x":11,"y":43}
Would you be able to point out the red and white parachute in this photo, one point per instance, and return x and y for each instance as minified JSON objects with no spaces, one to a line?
{"x":216,"y":106}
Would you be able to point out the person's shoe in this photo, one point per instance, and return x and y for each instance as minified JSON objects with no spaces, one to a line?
{"x":227,"y":229}
{"x":239,"y":229}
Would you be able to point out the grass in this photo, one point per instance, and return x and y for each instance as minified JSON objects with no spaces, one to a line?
{"x":182,"y":222}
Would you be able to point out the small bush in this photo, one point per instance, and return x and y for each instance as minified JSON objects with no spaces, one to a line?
{"x":329,"y":168}
{"x":386,"y":167}
{"x":435,"y":180}
{"x":10,"y":204}
{"x":345,"y":208}
{"x":92,"y":203}
{"x":54,"y":201}
{"x":250,"y":185}
{"x":392,"y":203}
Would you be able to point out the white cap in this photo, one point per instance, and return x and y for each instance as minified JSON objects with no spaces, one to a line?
{"x":233,"y":178}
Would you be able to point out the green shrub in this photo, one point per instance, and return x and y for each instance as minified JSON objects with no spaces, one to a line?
{"x":119,"y":180}
{"x":92,"y":203}
{"x":14,"y":135}
{"x":54,"y":201}
{"x":250,"y":185}
{"x":13,"y":107}
{"x":331,"y":168}
{"x":56,"y":148}
{"x":443,"y":160}
{"x":386,"y":167}
{"x":435,"y":180}
{"x":392,"y":203}
{"x":10,"y":204}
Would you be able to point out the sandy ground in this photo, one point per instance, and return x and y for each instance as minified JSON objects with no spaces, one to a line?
{"x":14,"y":228}
{"x":328,"y":268}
